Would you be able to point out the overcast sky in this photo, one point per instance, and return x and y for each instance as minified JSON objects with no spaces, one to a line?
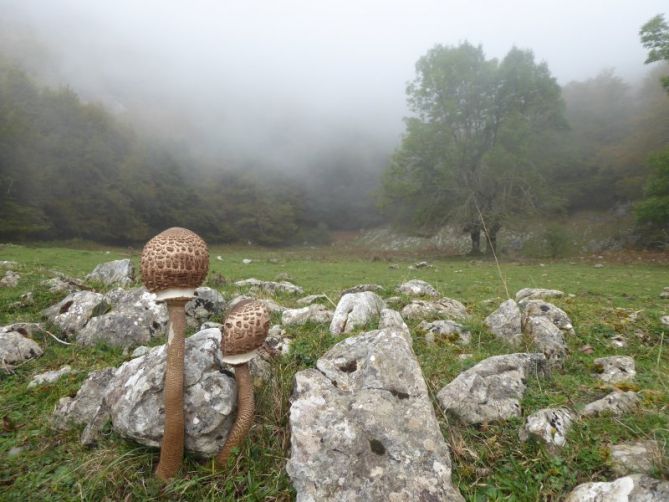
{"x":258,"y":74}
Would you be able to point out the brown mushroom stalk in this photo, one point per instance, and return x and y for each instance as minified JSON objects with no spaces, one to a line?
{"x":172,"y":447}
{"x":244,"y":330}
{"x":245,"y":411}
{"x":173,"y":264}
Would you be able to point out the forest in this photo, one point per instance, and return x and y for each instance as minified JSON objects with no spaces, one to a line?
{"x":487,"y":139}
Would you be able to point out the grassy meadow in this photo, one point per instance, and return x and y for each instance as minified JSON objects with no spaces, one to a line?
{"x":489,"y":462}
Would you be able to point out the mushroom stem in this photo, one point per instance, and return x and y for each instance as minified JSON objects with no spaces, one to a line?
{"x":172,"y":447}
{"x":245,"y":409}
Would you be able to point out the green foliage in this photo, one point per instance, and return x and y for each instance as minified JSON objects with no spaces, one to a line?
{"x":653,"y":211}
{"x":613,"y":127}
{"x":69,"y":170}
{"x":477,"y":138}
{"x":655,"y":37}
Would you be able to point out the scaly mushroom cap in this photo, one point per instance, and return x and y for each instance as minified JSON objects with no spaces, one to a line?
{"x":244,"y":330}
{"x":174,"y":263}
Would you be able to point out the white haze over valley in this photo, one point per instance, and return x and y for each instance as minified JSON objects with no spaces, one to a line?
{"x":282,"y":85}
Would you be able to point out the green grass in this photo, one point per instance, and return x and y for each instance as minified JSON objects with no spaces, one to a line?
{"x":489,"y":462}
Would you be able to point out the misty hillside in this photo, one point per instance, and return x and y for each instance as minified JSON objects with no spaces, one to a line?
{"x":105,"y":136}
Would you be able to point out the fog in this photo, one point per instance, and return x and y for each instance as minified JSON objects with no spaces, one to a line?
{"x":283,"y":84}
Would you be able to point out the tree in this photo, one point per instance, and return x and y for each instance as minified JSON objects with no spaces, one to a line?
{"x":653,"y":212}
{"x":655,"y":37}
{"x":473,"y":152}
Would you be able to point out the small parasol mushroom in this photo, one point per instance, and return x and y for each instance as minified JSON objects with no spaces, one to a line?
{"x":243,"y":332}
{"x":173,"y":264}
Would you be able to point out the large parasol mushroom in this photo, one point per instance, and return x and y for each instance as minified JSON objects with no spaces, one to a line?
{"x":173,"y":264}
{"x":244,"y":330}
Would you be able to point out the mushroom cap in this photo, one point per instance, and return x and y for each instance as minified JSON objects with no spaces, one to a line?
{"x":243,"y":331}
{"x":176,"y":259}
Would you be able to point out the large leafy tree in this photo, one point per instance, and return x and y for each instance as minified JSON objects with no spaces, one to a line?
{"x":475,"y":149}
{"x":655,"y":37}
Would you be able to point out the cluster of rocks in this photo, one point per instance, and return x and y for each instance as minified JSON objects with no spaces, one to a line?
{"x":546,"y":325}
{"x":362,"y":425}
{"x":123,"y":317}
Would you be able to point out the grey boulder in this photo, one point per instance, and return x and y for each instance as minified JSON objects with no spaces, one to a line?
{"x":315,"y":313}
{"x":417,"y":287}
{"x":73,"y":312}
{"x":206,"y":304}
{"x":16,"y":348}
{"x":79,"y":410}
{"x":549,"y":425}
{"x":117,"y":273}
{"x":547,"y":338}
{"x":634,"y":488}
{"x":355,"y":310}
{"x":49,"y":376}
{"x":133,"y":397}
{"x":447,"y":329}
{"x":635,"y":457}
{"x":135,"y":319}
{"x":392,"y":319}
{"x":492,"y":389}
{"x":505,"y":322}
{"x":363,"y":428}
{"x":615,"y":369}
{"x":270,"y":287}
{"x":616,"y":403}
{"x":445,"y":308}
{"x":540,"y":308}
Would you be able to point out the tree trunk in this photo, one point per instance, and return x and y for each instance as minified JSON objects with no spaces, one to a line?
{"x":474,"y":230}
{"x":491,"y":238}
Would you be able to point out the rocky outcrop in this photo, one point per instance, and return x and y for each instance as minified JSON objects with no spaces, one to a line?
{"x":114,"y":273}
{"x":206,"y":304}
{"x":505,"y":322}
{"x":135,"y":319}
{"x":315,"y":313}
{"x":270,"y":287}
{"x":616,"y":403}
{"x":635,"y":457}
{"x":632,"y":488}
{"x":445,"y":308}
{"x":392,"y":319}
{"x":615,"y":369}
{"x":80,"y":409}
{"x":416,"y":287}
{"x":549,"y":425}
{"x":540,"y":308}
{"x":355,"y":310}
{"x":132,"y":397}
{"x":449,"y":330}
{"x":547,"y":338}
{"x":73,"y":312}
{"x":363,"y":428}
{"x":492,"y":389}
{"x":16,"y":348}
